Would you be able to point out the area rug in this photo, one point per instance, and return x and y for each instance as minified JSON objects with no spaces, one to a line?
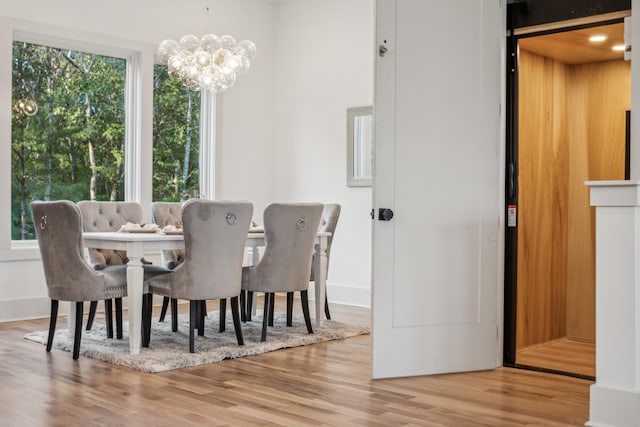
{"x":170,"y":350}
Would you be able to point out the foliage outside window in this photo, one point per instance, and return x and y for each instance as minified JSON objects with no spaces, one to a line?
{"x":68,"y":126}
{"x":176,"y":138}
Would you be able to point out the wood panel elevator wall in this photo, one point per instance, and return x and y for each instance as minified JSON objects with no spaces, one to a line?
{"x":571,"y":129}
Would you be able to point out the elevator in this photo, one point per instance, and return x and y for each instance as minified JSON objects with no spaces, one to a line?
{"x":571,"y":96}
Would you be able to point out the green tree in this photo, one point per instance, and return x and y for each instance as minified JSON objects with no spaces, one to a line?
{"x":73,"y":146}
{"x":68,"y":131}
{"x":176,"y":130}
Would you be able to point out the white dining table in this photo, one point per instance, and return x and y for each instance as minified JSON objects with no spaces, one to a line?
{"x":137,"y":244}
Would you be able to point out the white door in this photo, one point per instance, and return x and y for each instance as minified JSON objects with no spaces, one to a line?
{"x":438,"y":165}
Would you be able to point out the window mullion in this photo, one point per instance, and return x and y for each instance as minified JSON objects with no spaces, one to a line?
{"x":207,"y":144}
{"x":133,"y":136}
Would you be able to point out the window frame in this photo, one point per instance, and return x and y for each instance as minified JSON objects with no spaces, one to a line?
{"x":139,"y":62}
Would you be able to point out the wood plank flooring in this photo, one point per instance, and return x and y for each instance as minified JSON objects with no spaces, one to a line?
{"x":564,"y":354}
{"x":325,"y":384}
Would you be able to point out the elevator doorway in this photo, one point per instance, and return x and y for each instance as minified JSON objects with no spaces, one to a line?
{"x":572,"y":97}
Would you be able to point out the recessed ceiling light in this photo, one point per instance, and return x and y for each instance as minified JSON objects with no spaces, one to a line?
{"x":619,"y":48}
{"x":597,"y":38}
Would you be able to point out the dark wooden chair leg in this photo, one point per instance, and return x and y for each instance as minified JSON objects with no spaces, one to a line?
{"x":93,"y":307}
{"x":150,"y":316}
{"x":193,"y":319}
{"x":304,"y":297}
{"x":265,"y":317}
{"x":52,"y":323}
{"x":203,"y":313}
{"x":147,"y":302}
{"x":198,"y":309}
{"x":326,"y":306}
{"x":289,"y":308}
{"x":235,"y":312}
{"x":108,"y":317}
{"x":249,"y":305}
{"x":243,"y":305}
{"x":77,"y":336}
{"x":118,"y":318}
{"x":174,"y":314}
{"x":163,"y":311}
{"x":272,"y":297}
{"x":223,"y":314}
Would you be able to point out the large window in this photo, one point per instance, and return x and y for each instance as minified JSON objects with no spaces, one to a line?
{"x":176,"y":138}
{"x":78,"y":131}
{"x":68,"y":129}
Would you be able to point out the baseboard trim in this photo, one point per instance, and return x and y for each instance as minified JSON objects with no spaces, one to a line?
{"x":27,"y":309}
{"x":609,"y":407}
{"x":345,"y":294}
{"x":40,"y":307}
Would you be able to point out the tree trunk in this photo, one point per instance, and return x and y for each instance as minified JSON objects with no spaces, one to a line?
{"x":47,"y":188}
{"x":72,"y":160}
{"x":187,"y":145}
{"x":50,"y":119}
{"x":23,"y":196}
{"x":92,"y":165}
{"x":92,"y":153}
{"x":115,"y":185}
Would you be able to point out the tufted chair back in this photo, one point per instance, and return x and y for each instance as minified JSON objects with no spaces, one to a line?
{"x":108,"y":216}
{"x":290,"y":230}
{"x":215,"y":233}
{"x":59,"y":229}
{"x":168,"y":213}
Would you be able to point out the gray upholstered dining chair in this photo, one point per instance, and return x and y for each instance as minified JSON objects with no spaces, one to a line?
{"x":215,"y":233}
{"x":290,"y":230}
{"x":102,"y":216}
{"x":164,"y":214}
{"x":328,"y":223}
{"x":69,"y":277}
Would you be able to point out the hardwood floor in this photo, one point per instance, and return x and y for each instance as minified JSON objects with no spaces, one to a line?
{"x":566,"y":355}
{"x":324,"y":384}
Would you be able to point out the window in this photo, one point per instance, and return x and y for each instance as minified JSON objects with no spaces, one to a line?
{"x":67,"y":128}
{"x":80,"y":121}
{"x":176,"y":138}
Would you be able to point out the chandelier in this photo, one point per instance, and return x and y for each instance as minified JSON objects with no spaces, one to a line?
{"x":211,"y":62}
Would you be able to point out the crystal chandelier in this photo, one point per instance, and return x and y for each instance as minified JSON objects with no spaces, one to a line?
{"x":211,"y":62}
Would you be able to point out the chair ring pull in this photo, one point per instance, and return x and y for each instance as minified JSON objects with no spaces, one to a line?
{"x":43,"y":222}
{"x":232,"y":219}
{"x":302,"y":224}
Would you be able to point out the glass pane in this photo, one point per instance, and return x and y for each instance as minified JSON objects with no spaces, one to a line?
{"x":176,"y":139}
{"x":68,"y":125}
{"x":362,"y":146}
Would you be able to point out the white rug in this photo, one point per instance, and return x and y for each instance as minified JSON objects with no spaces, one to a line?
{"x":170,"y":350}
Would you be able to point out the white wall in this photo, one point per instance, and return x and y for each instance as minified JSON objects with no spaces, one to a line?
{"x":281,"y":128}
{"x":324,"y":65}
